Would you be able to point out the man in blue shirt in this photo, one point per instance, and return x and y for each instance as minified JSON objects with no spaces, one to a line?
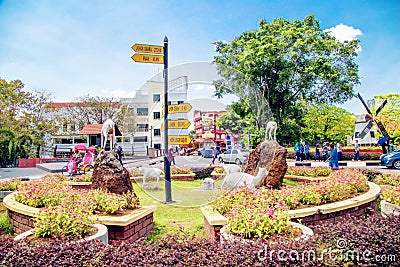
{"x":333,"y":158}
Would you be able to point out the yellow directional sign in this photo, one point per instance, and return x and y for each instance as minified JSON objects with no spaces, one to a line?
{"x":145,"y":58}
{"x":178,"y":139}
{"x":179,"y":108}
{"x":176,"y":124}
{"x":148,"y":49}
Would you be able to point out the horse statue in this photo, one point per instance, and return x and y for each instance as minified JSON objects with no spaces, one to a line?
{"x":271,"y":127}
{"x":107,"y":129}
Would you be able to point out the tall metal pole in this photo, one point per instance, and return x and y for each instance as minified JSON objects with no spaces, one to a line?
{"x":168,"y":195}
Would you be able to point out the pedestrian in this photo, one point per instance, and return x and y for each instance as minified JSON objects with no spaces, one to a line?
{"x":307,"y":150}
{"x":215,"y":154}
{"x":171,"y":156}
{"x":391,"y":147}
{"x":317,"y":153}
{"x":339,"y":151}
{"x":356,"y":151}
{"x":333,"y":158}
{"x":297,"y":151}
{"x":119,"y":154}
{"x":325,"y":151}
{"x":302,"y":157}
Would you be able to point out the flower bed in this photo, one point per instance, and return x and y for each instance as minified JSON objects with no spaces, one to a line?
{"x":390,"y":203}
{"x":7,"y":187}
{"x":308,"y":171}
{"x":254,"y":213}
{"x":55,"y":209}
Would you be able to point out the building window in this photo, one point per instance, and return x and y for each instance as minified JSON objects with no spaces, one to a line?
{"x":143,"y":111}
{"x":157,"y":132}
{"x":156,"y":115}
{"x":156,"y":98}
{"x":142,"y":127}
{"x":157,"y":146}
{"x":140,"y":139}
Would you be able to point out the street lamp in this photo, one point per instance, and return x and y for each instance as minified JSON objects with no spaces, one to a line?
{"x":151,"y":135}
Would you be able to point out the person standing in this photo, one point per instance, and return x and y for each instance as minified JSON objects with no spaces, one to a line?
{"x":215,"y":154}
{"x":339,"y":151}
{"x":297,"y":151}
{"x":325,"y":151}
{"x":333,"y":158}
{"x":307,"y":150}
{"x":391,"y":147}
{"x":356,"y":151}
{"x":302,"y":157}
{"x":119,"y":155}
{"x":317,"y":153}
{"x":171,"y":156}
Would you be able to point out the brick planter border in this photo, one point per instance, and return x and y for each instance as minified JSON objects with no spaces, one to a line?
{"x":357,"y":206}
{"x":130,"y":227}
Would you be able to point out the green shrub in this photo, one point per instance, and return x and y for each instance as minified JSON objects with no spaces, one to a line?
{"x":5,"y":224}
{"x":10,"y":185}
{"x":391,"y":194}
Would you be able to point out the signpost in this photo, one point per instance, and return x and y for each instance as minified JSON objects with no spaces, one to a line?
{"x":177,"y":124}
{"x":148,"y":49}
{"x":144,"y":58}
{"x":159,"y":55}
{"x":179,"y":139}
{"x":179,"y":108}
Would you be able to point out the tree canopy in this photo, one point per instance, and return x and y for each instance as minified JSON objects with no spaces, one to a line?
{"x":95,"y":110}
{"x":23,"y":123}
{"x":389,"y":115}
{"x":284,"y":62}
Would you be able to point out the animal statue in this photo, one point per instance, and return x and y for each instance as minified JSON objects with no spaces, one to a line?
{"x":272,"y":126}
{"x":237,"y":179}
{"x":230,"y":168}
{"x":107,"y":129}
{"x":150,"y":172}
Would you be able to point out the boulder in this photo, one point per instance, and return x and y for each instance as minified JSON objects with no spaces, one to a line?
{"x":110,"y":175}
{"x":272,"y":156}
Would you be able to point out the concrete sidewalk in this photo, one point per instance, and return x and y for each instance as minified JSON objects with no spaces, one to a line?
{"x":353,"y":164}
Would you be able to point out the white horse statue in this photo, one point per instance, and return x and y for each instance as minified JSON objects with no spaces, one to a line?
{"x":271,"y":127}
{"x":107,"y":129}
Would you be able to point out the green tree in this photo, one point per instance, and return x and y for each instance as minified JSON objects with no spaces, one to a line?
{"x":95,"y":110}
{"x":327,"y":122}
{"x":23,"y":121}
{"x":283,"y":62}
{"x":389,"y":115}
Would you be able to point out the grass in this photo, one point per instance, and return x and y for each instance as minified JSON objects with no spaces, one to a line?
{"x":5,"y":225}
{"x":183,"y":216}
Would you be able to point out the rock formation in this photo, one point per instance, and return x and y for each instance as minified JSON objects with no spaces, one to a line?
{"x":110,"y":175}
{"x":270,"y":155}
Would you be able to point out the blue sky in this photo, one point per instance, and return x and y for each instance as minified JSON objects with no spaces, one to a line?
{"x":72,"y":48}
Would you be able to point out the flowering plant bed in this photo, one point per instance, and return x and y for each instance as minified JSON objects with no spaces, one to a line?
{"x":308,"y":171}
{"x":391,"y":194}
{"x":257,"y":213}
{"x":387,"y":179}
{"x":64,"y":212}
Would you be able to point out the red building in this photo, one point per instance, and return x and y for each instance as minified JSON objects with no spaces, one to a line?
{"x":207,"y":133}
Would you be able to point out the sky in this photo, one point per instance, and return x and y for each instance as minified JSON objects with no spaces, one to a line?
{"x":71,"y":48}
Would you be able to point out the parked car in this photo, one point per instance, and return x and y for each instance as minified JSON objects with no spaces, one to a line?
{"x":206,"y":152}
{"x":391,"y":160}
{"x":236,"y":156}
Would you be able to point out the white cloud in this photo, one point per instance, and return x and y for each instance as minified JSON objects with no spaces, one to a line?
{"x":344,"y":33}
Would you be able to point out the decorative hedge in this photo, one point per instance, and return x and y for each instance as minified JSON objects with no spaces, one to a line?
{"x":352,"y":242}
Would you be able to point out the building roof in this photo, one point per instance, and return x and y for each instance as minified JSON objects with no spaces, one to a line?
{"x":78,"y":104}
{"x":96,"y":129}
